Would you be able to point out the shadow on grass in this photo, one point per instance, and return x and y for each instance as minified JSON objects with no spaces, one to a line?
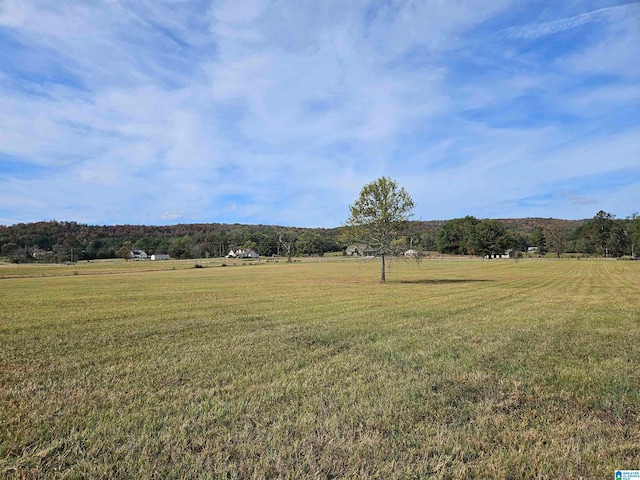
{"x":443,"y":281}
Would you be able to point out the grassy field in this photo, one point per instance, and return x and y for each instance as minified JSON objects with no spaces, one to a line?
{"x":473,"y":369}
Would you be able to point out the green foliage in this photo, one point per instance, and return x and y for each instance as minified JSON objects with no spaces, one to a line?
{"x":56,"y":241}
{"x":539,"y":240}
{"x":556,"y":237}
{"x":457,"y":236}
{"x":125,"y":251}
{"x":489,"y":238}
{"x":634,"y":233}
{"x":267,"y":244}
{"x":286,"y":242}
{"x":470,"y":236}
{"x":262,"y":241}
{"x":601,"y":230}
{"x":250,"y":245}
{"x":379,"y":216}
{"x":604,"y":235}
{"x":10,"y":249}
{"x":518,"y":241}
{"x":429,"y":241}
{"x":180,"y":247}
{"x":181,"y":241}
{"x":619,"y":240}
{"x":580,"y":240}
{"x":310,"y":243}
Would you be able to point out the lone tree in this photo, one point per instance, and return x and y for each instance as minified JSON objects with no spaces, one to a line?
{"x":379,"y":216}
{"x":556,"y":234}
{"x":125,"y":251}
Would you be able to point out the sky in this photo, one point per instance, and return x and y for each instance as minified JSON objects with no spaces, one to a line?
{"x":280,"y":111}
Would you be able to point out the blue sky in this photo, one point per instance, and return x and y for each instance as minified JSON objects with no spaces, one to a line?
{"x":279,"y":111}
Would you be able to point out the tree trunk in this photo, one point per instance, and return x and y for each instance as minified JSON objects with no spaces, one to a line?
{"x":383,"y":278}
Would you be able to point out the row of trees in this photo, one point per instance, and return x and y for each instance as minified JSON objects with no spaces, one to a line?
{"x":470,"y":236}
{"x":69,"y":241}
{"x":602,"y":235}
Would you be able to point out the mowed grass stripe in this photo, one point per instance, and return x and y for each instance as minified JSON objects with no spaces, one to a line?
{"x":468,"y":369}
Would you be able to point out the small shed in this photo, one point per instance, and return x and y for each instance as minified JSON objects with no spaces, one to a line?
{"x":160,"y":256}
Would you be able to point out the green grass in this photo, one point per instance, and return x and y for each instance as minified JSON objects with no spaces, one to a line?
{"x":477,"y":369}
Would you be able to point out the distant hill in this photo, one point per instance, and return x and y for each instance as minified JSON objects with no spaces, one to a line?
{"x":64,"y":241}
{"x":527,"y":225}
{"x":522,"y":226}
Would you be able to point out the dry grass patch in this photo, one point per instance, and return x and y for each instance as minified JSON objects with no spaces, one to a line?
{"x":455,"y":369}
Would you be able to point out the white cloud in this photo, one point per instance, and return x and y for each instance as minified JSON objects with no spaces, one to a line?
{"x":279,"y":112}
{"x":170,"y":215}
{"x":242,"y":12}
{"x":12,"y":13}
{"x":537,"y":30}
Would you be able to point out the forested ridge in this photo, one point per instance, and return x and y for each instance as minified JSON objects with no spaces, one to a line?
{"x":60,"y":241}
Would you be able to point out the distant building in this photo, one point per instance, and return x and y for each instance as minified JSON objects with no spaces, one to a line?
{"x":508,"y":254}
{"x":139,"y":254}
{"x":40,"y":254}
{"x":243,"y":253}
{"x":160,"y":256}
{"x":358,"y":250}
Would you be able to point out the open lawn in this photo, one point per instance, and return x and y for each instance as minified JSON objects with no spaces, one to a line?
{"x":474,"y":369}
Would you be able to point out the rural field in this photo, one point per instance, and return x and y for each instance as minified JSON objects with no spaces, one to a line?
{"x":452,"y":369}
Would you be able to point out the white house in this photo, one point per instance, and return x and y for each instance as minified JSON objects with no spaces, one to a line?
{"x":160,"y":256}
{"x":139,"y":254}
{"x":243,"y":253}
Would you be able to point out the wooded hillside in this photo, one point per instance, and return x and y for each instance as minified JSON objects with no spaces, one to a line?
{"x":59,"y":241}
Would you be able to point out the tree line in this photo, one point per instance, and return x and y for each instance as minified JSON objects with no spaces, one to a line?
{"x":603,"y":235}
{"x":57,"y":241}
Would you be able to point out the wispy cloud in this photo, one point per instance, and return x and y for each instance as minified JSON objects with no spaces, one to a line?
{"x":278,"y":112}
{"x":536,"y":30}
